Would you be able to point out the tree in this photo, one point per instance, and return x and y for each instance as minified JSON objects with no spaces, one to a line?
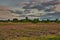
{"x":56,"y":20}
{"x":35,"y":21}
{"x":15,"y":20}
{"x":8,"y":20}
{"x":48,"y":20}
{"x":26,"y":18}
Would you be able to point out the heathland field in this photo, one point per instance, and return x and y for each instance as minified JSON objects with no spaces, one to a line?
{"x":29,"y":31}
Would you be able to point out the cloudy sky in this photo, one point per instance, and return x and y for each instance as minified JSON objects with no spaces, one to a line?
{"x":15,"y":2}
{"x":18,"y":3}
{"x":11,"y":2}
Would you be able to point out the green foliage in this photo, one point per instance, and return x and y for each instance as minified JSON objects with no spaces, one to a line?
{"x":8,"y":20}
{"x":55,"y":38}
{"x":29,"y":20}
{"x":15,"y":20}
{"x":43,"y":20}
{"x":26,"y":20}
{"x":48,"y":20}
{"x":35,"y":21}
{"x":57,"y":20}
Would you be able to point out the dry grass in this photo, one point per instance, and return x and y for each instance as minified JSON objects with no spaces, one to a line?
{"x":28,"y":31}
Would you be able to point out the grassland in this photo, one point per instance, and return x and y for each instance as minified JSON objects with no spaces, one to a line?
{"x":29,"y":31}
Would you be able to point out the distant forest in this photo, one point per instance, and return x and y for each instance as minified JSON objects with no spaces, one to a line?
{"x":29,"y":20}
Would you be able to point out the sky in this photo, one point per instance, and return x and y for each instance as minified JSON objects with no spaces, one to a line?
{"x":15,"y":2}
{"x":18,"y":3}
{"x":11,"y":2}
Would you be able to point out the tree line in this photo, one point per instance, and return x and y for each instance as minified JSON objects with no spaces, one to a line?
{"x":29,"y":20}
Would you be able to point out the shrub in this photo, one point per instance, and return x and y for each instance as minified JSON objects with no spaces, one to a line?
{"x":35,"y":21}
{"x":15,"y":20}
{"x":57,"y":20}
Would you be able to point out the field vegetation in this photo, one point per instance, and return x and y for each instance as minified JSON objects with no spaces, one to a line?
{"x":27,"y":29}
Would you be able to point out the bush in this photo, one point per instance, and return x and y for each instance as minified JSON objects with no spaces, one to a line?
{"x":35,"y":21}
{"x":57,"y":20}
{"x":26,"y":20}
{"x":15,"y":20}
